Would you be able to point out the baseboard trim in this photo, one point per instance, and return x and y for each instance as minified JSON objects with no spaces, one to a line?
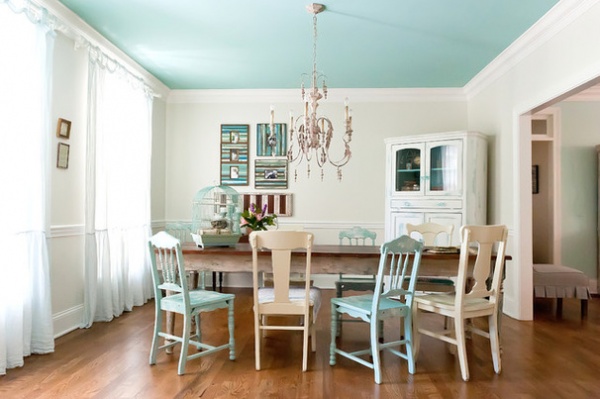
{"x":68,"y":320}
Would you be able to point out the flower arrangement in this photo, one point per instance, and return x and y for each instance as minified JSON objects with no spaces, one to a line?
{"x":257,"y":221}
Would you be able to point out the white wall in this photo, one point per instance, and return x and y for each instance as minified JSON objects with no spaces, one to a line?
{"x":193,"y":156}
{"x":67,"y":194}
{"x":579,"y":185}
{"x":563,"y":62}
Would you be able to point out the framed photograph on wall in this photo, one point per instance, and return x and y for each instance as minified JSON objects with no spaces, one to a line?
{"x":535,"y":179}
{"x":270,"y":173}
{"x":267,"y":146}
{"x":234,"y":154}
{"x":62,"y":156}
{"x":63,"y":128}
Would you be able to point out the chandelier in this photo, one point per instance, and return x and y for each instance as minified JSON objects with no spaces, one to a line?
{"x":311,"y":134}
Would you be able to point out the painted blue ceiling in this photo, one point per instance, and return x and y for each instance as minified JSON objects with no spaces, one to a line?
{"x":250,"y":44}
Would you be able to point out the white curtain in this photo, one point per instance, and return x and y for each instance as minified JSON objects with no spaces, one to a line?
{"x":25,"y":73}
{"x":450,"y":162}
{"x":117,"y":265}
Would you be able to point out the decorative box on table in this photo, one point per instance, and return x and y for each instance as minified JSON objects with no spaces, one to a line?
{"x":216,"y":217}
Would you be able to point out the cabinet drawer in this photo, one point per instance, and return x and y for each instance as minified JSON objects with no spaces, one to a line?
{"x":426,"y":204}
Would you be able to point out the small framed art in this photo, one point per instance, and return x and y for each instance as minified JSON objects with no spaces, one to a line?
{"x":267,"y":145}
{"x":535,"y":179}
{"x":63,"y":128}
{"x":62,"y":156}
{"x":270,"y":173}
{"x":234,"y":154}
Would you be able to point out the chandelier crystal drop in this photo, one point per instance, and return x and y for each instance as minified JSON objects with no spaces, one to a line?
{"x":311,"y":134}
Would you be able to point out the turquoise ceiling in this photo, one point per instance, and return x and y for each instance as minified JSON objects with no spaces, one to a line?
{"x":248,"y":44}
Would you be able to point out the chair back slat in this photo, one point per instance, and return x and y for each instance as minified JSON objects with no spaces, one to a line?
{"x":168,"y":268}
{"x":486,"y":275}
{"x":357,"y":236}
{"x":432,"y":233}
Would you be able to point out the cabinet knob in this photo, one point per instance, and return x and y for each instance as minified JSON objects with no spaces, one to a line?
{"x":407,"y":203}
{"x":441,"y":204}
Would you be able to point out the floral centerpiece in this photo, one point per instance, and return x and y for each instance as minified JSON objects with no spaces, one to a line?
{"x":255,"y":220}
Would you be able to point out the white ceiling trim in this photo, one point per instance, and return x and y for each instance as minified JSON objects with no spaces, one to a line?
{"x":335,"y":95}
{"x":559,"y":16}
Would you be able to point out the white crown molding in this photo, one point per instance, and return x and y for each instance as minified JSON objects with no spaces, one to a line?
{"x":214,"y":96}
{"x":556,"y":19}
{"x":591,"y":94}
{"x":78,"y":27}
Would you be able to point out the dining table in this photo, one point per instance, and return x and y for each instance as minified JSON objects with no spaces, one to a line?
{"x":325,"y":259}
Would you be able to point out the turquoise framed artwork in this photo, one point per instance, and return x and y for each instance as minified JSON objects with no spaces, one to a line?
{"x":270,"y":173}
{"x":234,"y":154}
{"x":271,"y":147}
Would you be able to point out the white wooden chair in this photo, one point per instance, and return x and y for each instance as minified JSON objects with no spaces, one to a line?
{"x":481,"y":299}
{"x":389,"y":301}
{"x":172,"y":294}
{"x":433,"y":234}
{"x":281,"y":300}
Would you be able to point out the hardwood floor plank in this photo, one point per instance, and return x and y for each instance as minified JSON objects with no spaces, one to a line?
{"x":548,"y":357}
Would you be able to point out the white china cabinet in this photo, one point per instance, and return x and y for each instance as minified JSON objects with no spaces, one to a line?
{"x":439,"y":178}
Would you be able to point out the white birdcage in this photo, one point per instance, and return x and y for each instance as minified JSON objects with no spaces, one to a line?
{"x":216,"y":216}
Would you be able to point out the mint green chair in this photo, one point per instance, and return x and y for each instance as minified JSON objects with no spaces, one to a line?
{"x":399,"y":260}
{"x":172,"y":294}
{"x":355,"y":236}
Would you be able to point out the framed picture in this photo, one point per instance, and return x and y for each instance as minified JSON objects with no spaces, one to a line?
{"x":63,"y":128}
{"x":62,"y":157}
{"x":277,"y":203}
{"x":535,"y":180}
{"x":267,"y":146}
{"x":270,"y":173}
{"x":234,"y":154}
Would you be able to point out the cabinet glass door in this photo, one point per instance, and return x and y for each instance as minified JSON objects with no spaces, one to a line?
{"x":444,"y":168}
{"x":408,"y":169}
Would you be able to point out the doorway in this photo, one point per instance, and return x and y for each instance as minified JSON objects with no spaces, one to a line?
{"x":545,"y":185}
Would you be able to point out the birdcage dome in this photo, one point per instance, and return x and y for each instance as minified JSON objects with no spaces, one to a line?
{"x":216,"y":216}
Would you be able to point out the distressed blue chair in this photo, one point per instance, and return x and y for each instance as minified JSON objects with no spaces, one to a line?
{"x":400,"y":259}
{"x":355,"y":236}
{"x":172,"y":294}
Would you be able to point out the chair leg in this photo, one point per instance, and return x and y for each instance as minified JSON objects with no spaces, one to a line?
{"x":231,"y":325}
{"x":375,"y":350}
{"x":416,"y":336}
{"x":495,"y":343}
{"x":313,"y":335}
{"x":334,"y":329}
{"x":257,"y":338}
{"x":187,"y":326}
{"x":584,"y":308}
{"x":307,"y":328}
{"x":459,"y":328}
{"x":559,"y":307}
{"x":155,"y":337}
{"x":408,"y":337}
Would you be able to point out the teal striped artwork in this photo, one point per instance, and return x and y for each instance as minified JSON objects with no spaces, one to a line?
{"x":235,"y":154}
{"x":266,"y":149}
{"x":270,"y":173}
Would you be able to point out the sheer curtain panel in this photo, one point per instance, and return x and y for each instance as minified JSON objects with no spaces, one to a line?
{"x":117,"y":263}
{"x":25,"y":73}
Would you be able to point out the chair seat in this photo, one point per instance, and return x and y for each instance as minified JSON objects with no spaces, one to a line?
{"x":198,"y":298}
{"x":364,"y":303}
{"x":447,"y":302}
{"x":267,"y":295}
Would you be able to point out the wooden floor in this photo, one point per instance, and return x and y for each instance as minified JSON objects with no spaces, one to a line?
{"x":545,"y":358}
